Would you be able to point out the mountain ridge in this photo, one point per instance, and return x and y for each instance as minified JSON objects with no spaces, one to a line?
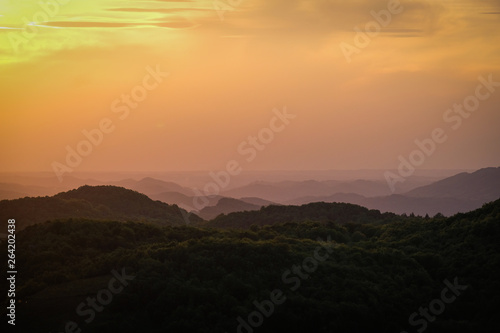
{"x":96,"y":202}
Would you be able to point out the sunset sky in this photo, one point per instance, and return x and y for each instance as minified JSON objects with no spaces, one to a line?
{"x":64,"y":70}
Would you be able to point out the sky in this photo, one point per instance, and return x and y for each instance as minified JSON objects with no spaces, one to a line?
{"x":129,"y":85}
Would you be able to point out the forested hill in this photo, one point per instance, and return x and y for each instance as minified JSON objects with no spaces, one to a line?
{"x":340,"y":213}
{"x":374,"y":278}
{"x":95,"y":202}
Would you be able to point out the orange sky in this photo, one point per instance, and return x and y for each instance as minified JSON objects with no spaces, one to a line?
{"x":63,"y":68}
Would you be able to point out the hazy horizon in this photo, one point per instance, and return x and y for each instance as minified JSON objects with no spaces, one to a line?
{"x":244,"y":176}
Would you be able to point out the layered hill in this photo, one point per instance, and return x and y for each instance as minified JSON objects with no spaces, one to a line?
{"x":226,"y":206}
{"x":482,"y":185}
{"x":340,"y":213}
{"x":150,"y":186}
{"x":457,"y":194}
{"x":94,"y":202}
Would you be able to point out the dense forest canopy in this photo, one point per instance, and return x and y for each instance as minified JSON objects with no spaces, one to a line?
{"x":375,"y":275}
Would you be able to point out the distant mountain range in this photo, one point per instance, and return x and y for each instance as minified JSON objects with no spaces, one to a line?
{"x":283,"y":192}
{"x":459,"y":193}
{"x":482,"y":185}
{"x":151,"y":186}
{"x":15,"y":186}
{"x":120,"y":204}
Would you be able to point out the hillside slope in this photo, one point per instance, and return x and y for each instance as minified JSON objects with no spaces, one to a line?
{"x":95,"y":202}
{"x":320,"y":211}
{"x":226,"y":206}
{"x":482,"y":185}
{"x":456,"y":194}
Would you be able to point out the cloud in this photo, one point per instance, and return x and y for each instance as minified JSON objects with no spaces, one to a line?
{"x":7,"y":29}
{"x":83,"y":24}
{"x":180,"y":24}
{"x":173,"y":24}
{"x":325,"y":17}
{"x":159,"y":10}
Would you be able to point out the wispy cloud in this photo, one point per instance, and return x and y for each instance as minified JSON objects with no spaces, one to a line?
{"x":159,"y":10}
{"x":83,"y":24}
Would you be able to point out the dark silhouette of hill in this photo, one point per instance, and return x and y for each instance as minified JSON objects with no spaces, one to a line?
{"x":340,"y":213}
{"x":42,"y":186}
{"x":95,"y":202}
{"x":399,"y":204}
{"x":337,"y":197}
{"x":48,"y":186}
